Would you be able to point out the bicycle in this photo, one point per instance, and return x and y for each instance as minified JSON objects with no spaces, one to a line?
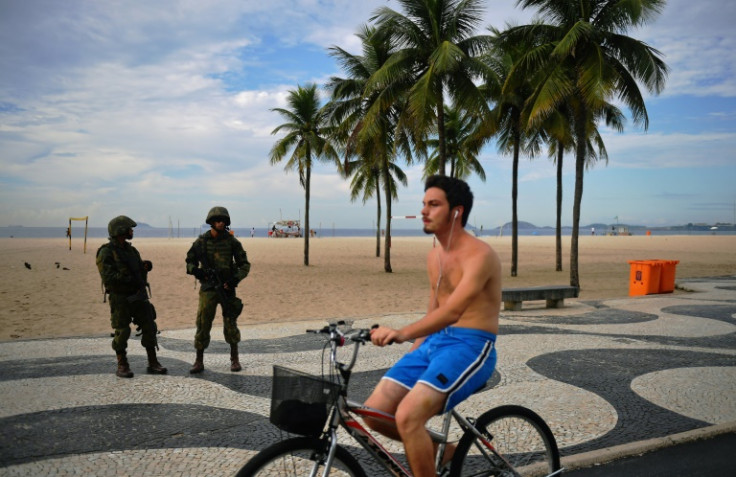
{"x":504,"y":441}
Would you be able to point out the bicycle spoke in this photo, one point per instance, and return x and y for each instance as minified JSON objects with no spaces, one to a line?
{"x":521,"y":445}
{"x":301,"y":463}
{"x":299,"y":457}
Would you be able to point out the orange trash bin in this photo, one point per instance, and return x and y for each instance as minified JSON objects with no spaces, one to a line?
{"x":644,"y":277}
{"x":667,"y":275}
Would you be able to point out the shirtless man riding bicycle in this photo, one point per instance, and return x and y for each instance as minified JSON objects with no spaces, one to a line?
{"x":453,"y":353}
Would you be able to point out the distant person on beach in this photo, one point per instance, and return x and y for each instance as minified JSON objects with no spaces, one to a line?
{"x":217,"y":259}
{"x":125,"y":278}
{"x":453,"y":353}
{"x":252,"y":232}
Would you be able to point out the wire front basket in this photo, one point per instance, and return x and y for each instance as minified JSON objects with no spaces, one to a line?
{"x":300,"y":402}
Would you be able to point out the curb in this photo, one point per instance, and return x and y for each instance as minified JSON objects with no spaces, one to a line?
{"x":609,"y":454}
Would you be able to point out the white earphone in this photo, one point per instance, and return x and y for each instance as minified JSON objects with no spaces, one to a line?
{"x":456,"y":213}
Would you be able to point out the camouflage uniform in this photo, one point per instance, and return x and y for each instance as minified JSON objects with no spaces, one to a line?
{"x":225,"y":254}
{"x":112,"y":261}
{"x":125,"y":277}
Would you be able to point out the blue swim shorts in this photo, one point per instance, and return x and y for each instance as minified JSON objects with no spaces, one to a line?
{"x":455,"y":361}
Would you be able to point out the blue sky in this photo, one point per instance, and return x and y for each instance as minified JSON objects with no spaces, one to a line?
{"x":160,"y":110}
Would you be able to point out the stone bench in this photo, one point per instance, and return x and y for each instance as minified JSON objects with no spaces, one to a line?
{"x":554,"y":295}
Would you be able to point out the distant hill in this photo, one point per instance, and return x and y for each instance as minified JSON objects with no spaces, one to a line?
{"x":602,"y":228}
{"x":522,"y":226}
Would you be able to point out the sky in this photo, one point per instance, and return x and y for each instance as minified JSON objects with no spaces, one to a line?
{"x":161,"y":110}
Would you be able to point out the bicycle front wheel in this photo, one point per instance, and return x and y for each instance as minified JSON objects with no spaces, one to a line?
{"x":300,"y":456}
{"x":516,"y":442}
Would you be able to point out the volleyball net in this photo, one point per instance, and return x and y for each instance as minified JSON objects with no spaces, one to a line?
{"x":69,"y":230}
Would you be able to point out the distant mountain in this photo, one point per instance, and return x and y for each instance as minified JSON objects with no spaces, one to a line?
{"x":604,"y":228}
{"x":527,"y":226}
{"x":522,"y":226}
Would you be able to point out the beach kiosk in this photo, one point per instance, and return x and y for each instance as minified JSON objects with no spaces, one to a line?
{"x":285,"y":229}
{"x":619,"y":230}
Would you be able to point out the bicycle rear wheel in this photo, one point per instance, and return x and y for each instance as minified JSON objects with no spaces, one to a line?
{"x":300,"y":456}
{"x":523,"y":443}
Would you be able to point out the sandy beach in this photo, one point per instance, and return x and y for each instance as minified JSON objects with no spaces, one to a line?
{"x":345,"y":279}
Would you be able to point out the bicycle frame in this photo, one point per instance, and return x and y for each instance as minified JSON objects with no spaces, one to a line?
{"x":342,"y":415}
{"x":343,"y":412}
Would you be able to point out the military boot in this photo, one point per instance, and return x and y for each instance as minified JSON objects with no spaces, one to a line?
{"x":123,"y":366}
{"x":234,"y":361}
{"x":154,"y":367}
{"x":198,"y":365}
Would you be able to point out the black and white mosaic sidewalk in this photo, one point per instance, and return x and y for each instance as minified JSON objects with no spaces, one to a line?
{"x":600,"y":373}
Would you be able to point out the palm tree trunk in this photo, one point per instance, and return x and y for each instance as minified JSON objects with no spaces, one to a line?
{"x":378,"y":217}
{"x":305,"y":230}
{"x":387,"y":243}
{"x":580,"y":155}
{"x":558,"y":234}
{"x":514,"y":216}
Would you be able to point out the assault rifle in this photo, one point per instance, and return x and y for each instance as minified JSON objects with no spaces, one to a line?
{"x":144,"y":288}
{"x":212,"y":276}
{"x":143,"y":293}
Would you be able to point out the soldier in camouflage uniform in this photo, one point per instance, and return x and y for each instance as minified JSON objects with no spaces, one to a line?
{"x":219,"y":262}
{"x":125,"y":278}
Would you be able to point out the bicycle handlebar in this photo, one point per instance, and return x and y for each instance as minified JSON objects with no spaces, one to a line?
{"x":358,"y":335}
{"x":339,"y":338}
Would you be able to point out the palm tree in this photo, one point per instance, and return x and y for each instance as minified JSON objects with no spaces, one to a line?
{"x":559,"y":131}
{"x":584,"y":57}
{"x":373,"y":144}
{"x":306,"y":135}
{"x":366,"y":182}
{"x":506,"y":120}
{"x":459,"y":142}
{"x":436,"y":55}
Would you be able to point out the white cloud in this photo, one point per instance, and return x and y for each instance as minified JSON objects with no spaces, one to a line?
{"x":160,"y":109}
{"x":651,"y":151}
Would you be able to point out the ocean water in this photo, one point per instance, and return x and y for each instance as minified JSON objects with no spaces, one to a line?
{"x":183,"y":232}
{"x":193,"y":232}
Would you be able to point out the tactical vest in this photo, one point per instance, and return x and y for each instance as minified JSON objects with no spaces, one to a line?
{"x":128,"y":287}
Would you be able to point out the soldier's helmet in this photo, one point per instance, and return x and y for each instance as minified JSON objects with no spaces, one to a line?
{"x":120,"y":225}
{"x":218,"y":212}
